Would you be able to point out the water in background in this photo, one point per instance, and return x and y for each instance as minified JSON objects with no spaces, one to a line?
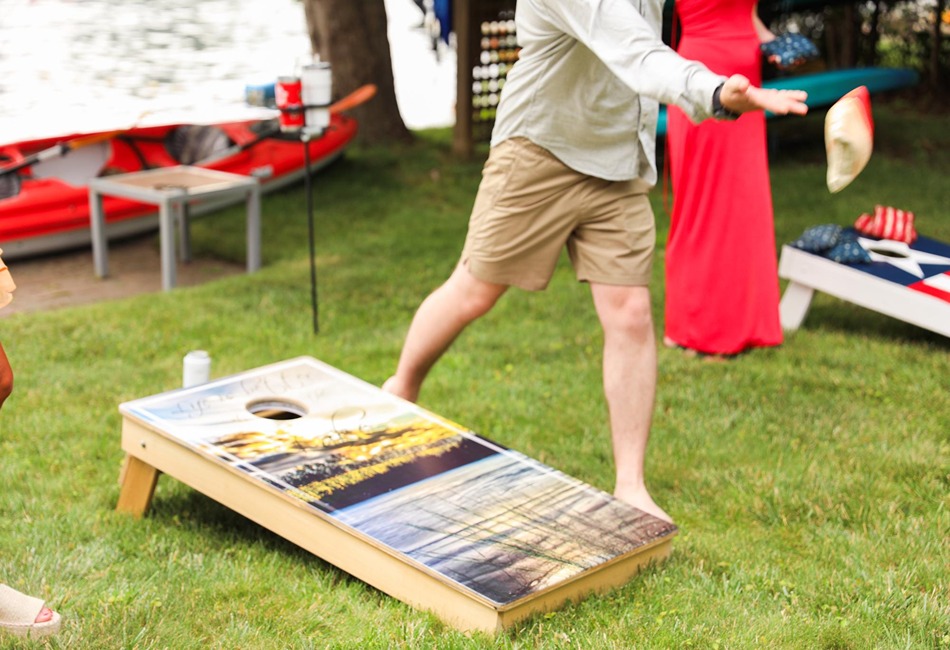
{"x":80,"y":65}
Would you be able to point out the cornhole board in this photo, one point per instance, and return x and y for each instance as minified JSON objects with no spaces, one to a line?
{"x":407,"y":501}
{"x":911,"y":283}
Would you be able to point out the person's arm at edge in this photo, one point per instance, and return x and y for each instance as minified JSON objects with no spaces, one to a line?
{"x":6,"y":376}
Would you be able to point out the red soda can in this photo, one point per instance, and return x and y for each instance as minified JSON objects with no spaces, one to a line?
{"x":287,"y":96}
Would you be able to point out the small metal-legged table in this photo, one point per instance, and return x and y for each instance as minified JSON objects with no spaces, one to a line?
{"x":172,"y":189}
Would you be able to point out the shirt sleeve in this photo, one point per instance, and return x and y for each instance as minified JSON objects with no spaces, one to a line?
{"x":616,"y":32}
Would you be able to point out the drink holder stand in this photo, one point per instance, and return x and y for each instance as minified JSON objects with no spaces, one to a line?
{"x":306,"y":134}
{"x":305,"y":139}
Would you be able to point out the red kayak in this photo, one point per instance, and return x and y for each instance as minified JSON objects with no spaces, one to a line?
{"x":44,"y":206}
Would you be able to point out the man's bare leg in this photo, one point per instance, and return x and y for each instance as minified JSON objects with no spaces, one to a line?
{"x":439,"y":320}
{"x":629,"y":385}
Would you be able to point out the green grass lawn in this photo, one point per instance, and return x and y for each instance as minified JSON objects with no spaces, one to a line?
{"x":810,"y":482}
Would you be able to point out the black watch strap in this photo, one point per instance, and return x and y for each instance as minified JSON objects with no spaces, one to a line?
{"x":719,"y":111}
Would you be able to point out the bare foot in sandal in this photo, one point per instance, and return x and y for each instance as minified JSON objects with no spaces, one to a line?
{"x":46,"y":614}
{"x":26,"y":616}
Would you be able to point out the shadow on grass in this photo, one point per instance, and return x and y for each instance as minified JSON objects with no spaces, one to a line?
{"x":193,"y":512}
{"x":844,"y":318}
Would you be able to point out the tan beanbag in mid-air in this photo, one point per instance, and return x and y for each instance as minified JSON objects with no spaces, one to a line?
{"x":849,"y":138}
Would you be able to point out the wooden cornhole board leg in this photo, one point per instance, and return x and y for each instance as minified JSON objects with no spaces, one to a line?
{"x":412,"y":504}
{"x":794,"y":305}
{"x":137,"y":481}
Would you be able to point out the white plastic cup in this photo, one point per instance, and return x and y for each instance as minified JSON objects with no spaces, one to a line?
{"x":316,"y":90}
{"x":196,"y":368}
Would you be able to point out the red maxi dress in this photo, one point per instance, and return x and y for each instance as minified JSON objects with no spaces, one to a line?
{"x":722,"y":289}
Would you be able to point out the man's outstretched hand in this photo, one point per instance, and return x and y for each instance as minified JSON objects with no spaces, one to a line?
{"x":740,"y":96}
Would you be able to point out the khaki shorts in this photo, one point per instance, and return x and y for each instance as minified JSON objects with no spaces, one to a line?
{"x":530,"y":206}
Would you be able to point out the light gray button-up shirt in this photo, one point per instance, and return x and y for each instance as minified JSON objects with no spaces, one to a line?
{"x":588,"y":84}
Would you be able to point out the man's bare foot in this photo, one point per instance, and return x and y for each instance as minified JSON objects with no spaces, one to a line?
{"x":397,"y":388}
{"x":641,"y":499}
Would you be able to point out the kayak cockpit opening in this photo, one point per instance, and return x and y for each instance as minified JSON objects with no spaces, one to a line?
{"x":9,"y":183}
{"x":193,"y":143}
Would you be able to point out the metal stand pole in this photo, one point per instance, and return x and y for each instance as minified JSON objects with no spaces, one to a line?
{"x":305,"y":137}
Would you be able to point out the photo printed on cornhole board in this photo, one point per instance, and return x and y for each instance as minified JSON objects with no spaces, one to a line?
{"x":489,"y":519}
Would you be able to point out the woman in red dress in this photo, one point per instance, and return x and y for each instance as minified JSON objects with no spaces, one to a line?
{"x":722,"y":288}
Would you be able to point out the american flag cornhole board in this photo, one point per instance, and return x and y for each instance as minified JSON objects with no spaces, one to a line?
{"x":908,"y":282}
{"x":407,"y":501}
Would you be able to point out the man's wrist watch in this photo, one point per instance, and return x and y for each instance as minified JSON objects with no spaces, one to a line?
{"x":719,"y":111}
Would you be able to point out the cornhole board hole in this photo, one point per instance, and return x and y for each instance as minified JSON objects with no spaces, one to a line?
{"x":911,"y":283}
{"x":409,"y":502}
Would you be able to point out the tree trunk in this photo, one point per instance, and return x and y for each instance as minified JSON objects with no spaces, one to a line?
{"x":841,"y":35}
{"x":351,"y":36}
{"x":848,"y":37}
{"x":937,"y":46}
{"x":874,"y":37}
{"x":832,"y":37}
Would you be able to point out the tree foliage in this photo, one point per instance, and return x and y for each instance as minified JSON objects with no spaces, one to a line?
{"x":893,"y":33}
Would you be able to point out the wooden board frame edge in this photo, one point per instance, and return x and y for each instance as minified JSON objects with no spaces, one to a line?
{"x":395,"y":576}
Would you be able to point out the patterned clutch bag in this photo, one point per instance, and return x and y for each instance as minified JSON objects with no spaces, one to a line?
{"x":790,"y":49}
